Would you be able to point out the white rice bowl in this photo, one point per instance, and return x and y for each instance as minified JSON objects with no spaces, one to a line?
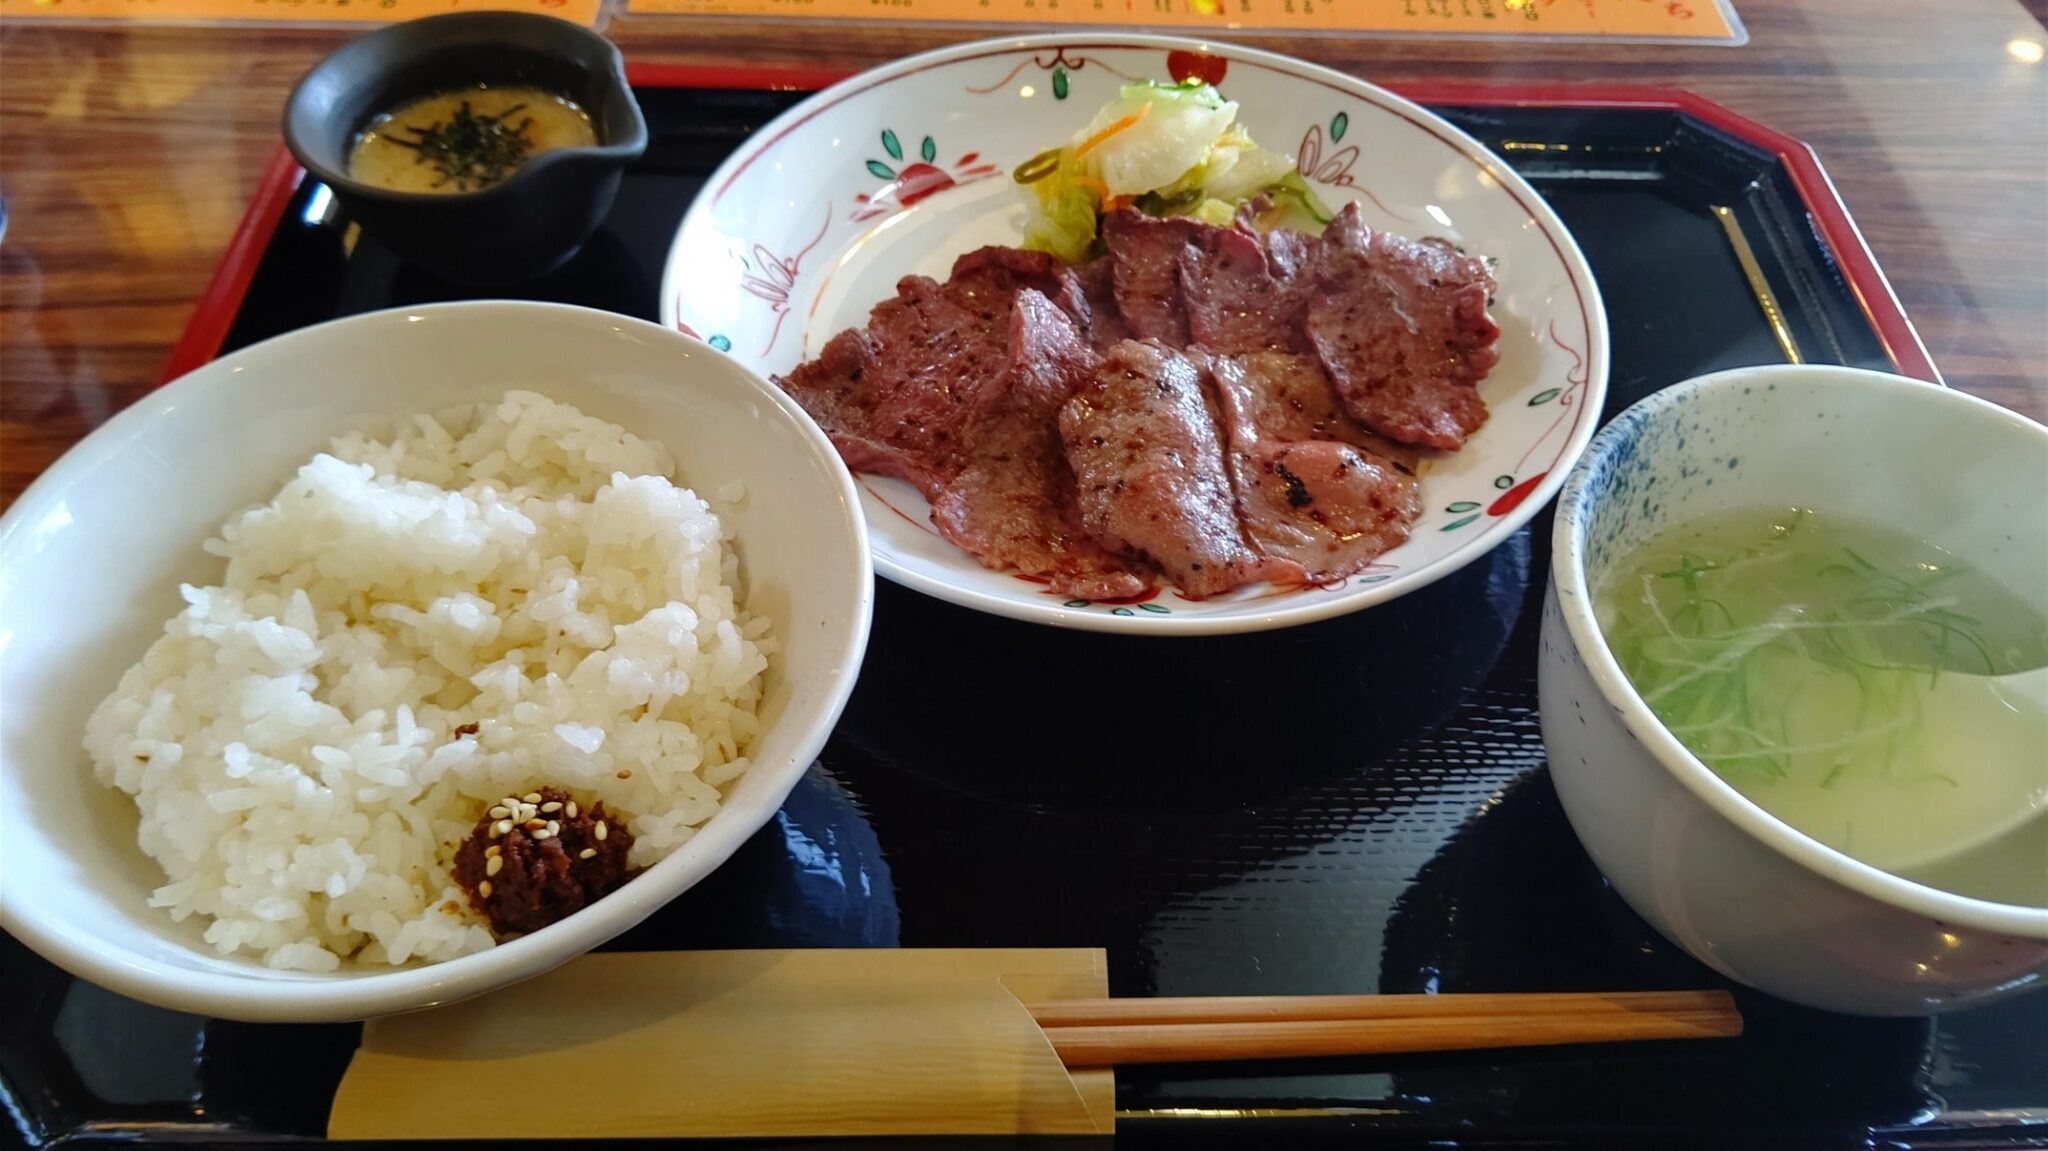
{"x":296,"y":741}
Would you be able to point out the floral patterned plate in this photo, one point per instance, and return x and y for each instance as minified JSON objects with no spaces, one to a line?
{"x":899,"y":170}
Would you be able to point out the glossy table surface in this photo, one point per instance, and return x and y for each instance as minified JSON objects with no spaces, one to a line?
{"x":128,"y":154}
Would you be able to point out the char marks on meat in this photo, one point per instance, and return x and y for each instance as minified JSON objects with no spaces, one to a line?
{"x":1240,"y":298}
{"x":897,"y":396}
{"x":1149,"y":468}
{"x":1308,"y":491}
{"x":1144,"y":258}
{"x":1224,"y":405}
{"x":1287,"y":397}
{"x":1013,"y":505}
{"x":1402,"y":329}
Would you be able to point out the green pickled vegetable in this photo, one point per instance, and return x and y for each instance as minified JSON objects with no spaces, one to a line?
{"x":1165,"y":150}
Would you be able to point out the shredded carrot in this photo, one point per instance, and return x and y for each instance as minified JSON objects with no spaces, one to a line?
{"x":1115,"y":202}
{"x":1122,"y":125}
{"x":1094,"y":185}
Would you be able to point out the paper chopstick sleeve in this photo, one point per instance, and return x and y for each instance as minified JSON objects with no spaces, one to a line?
{"x":735,"y":1044}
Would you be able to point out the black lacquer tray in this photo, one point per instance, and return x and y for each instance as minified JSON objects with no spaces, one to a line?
{"x":1357,"y":805}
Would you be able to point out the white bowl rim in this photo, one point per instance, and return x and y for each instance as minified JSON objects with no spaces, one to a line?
{"x":322,"y":999}
{"x":1568,"y":569}
{"x":1308,"y":609}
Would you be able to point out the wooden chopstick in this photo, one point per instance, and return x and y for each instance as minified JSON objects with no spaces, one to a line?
{"x":1105,"y":1033}
{"x":1281,"y":1008}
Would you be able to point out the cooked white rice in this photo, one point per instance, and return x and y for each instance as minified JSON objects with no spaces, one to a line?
{"x":291,"y":740}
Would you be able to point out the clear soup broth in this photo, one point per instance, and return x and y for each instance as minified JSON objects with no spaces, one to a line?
{"x":466,"y":140}
{"x":1835,"y":672}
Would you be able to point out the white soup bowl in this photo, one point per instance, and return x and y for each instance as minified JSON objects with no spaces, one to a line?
{"x":1745,"y":893}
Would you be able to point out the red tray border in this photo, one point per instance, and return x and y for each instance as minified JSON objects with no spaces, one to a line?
{"x":222,"y":298}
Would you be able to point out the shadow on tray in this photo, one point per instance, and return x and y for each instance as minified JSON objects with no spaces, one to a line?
{"x":1063,"y":720}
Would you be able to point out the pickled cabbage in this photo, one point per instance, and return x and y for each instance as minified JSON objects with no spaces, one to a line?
{"x":1165,"y":150}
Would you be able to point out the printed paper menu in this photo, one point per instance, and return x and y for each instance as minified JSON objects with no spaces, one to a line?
{"x":585,"y":12}
{"x":1696,"y":20}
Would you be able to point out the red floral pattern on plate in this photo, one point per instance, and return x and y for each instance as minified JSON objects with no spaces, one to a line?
{"x":917,"y":180}
{"x":772,"y":277}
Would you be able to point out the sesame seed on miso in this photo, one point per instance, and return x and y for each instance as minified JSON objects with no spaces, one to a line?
{"x":467,"y":139}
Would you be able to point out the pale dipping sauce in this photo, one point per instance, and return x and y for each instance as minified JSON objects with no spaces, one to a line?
{"x":465,"y":140}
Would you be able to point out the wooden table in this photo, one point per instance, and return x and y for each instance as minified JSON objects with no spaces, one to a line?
{"x":128,"y":154}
